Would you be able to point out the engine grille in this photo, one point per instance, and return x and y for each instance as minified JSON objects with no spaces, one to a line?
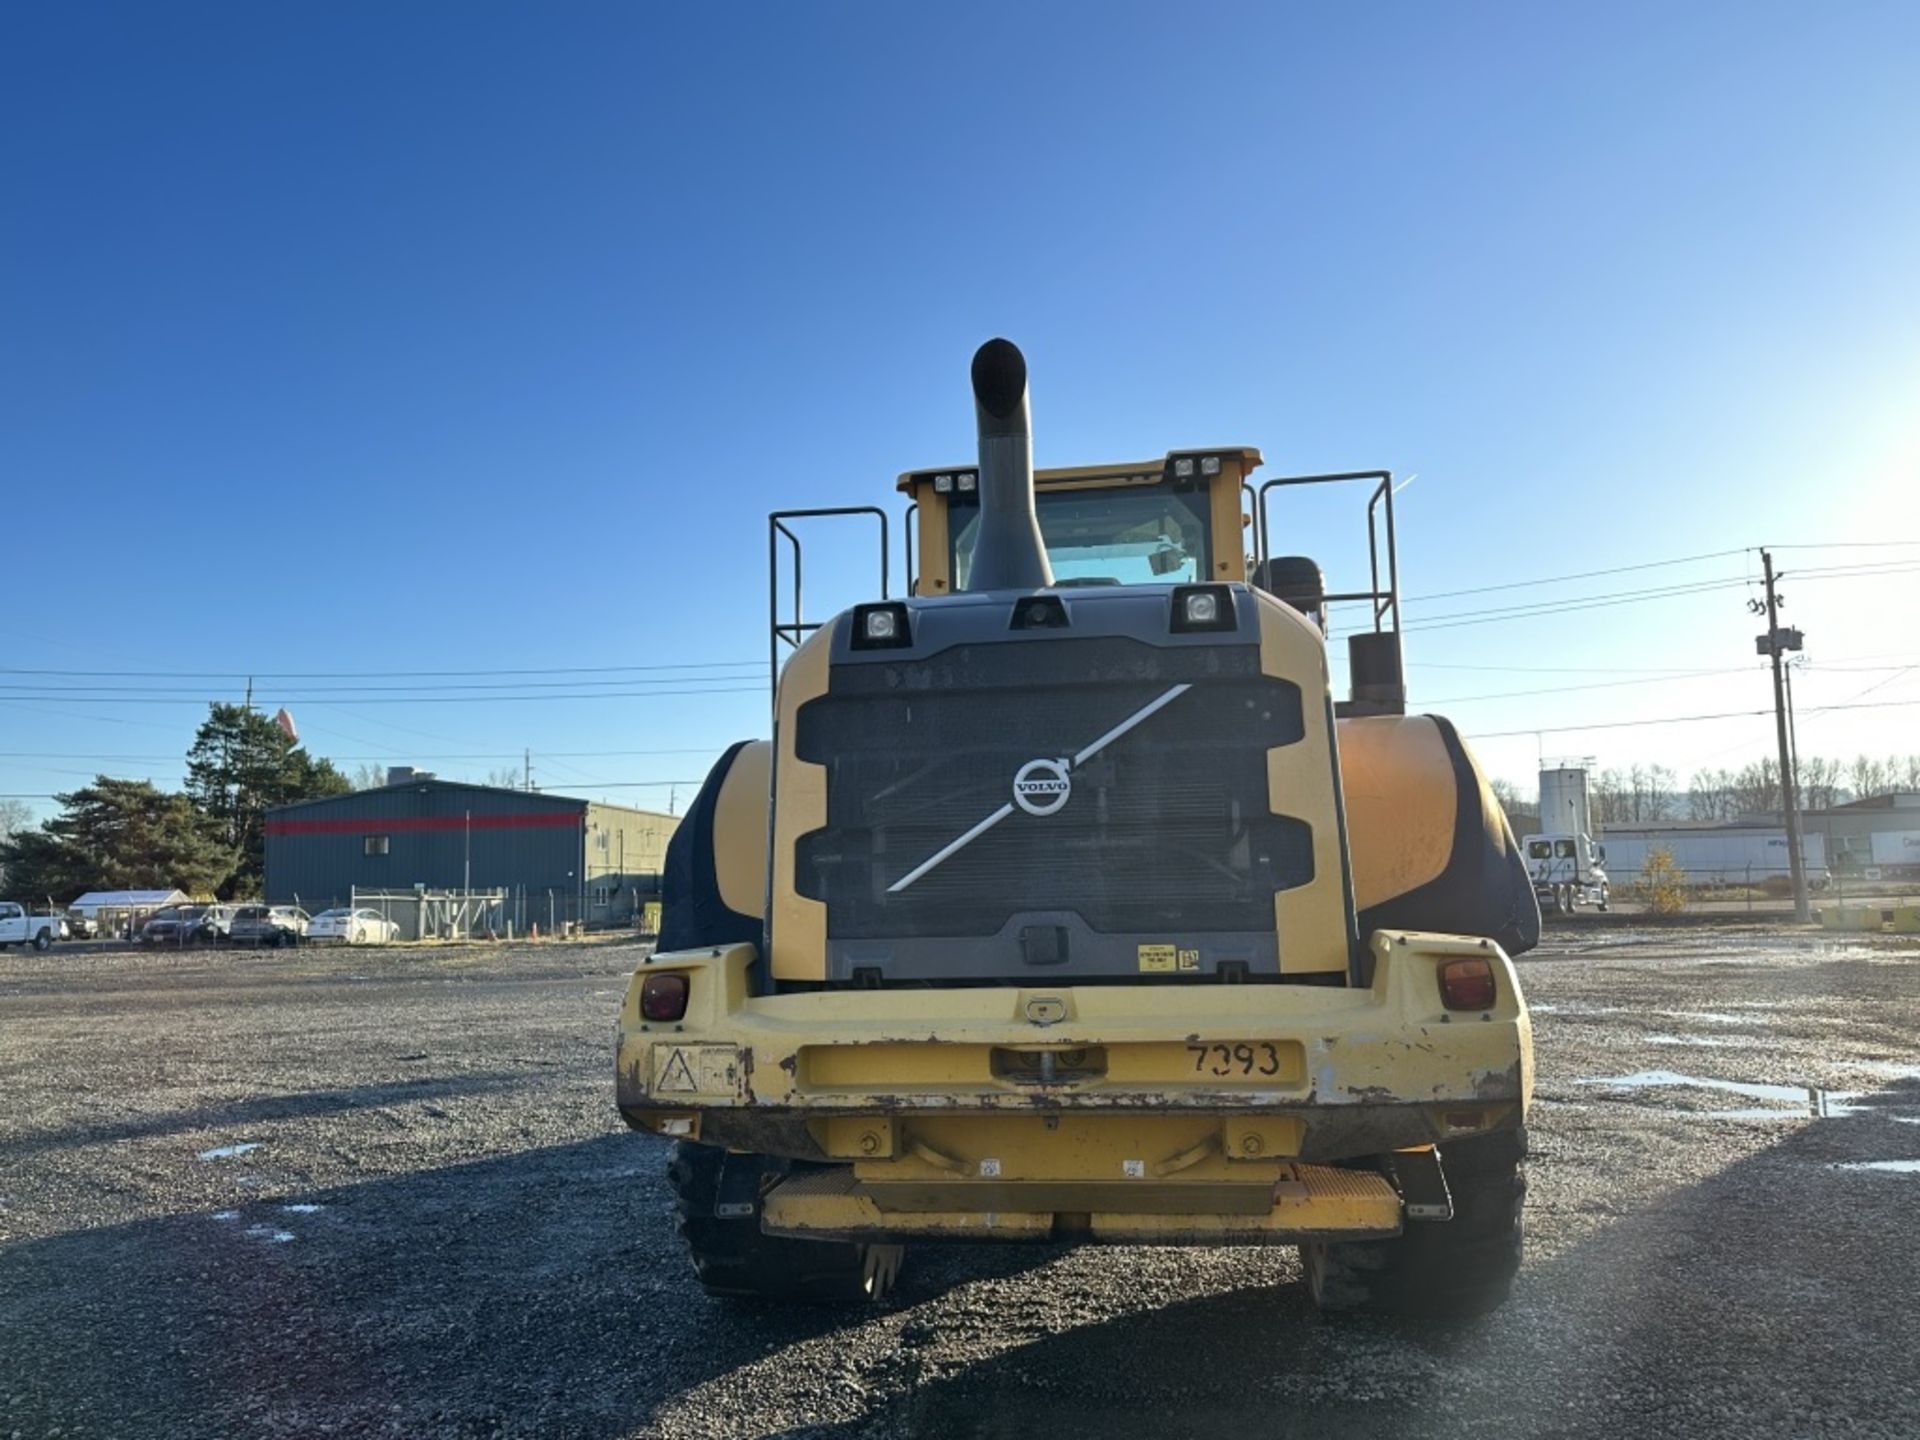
{"x":1166,"y":829}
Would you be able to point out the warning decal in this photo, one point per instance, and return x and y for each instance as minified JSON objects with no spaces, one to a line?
{"x":1157,"y":957}
{"x":676,"y":1076}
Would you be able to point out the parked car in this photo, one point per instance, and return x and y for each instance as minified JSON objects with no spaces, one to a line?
{"x":217,"y":924}
{"x":17,"y":927}
{"x":165,"y":920}
{"x":82,"y":927}
{"x":268,"y":925}
{"x":355,"y":927}
{"x":186,"y":925}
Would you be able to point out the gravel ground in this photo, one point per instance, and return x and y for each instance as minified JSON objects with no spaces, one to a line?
{"x":385,"y":1193}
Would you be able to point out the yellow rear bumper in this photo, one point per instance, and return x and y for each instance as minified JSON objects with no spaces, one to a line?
{"x":1306,"y":1202}
{"x":1152,"y":1095}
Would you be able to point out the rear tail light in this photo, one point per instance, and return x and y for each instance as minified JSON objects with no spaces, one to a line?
{"x":1467,"y":984}
{"x":664,"y":996}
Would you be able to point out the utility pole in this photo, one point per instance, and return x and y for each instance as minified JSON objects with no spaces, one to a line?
{"x":1773,"y":643}
{"x":526,"y":771}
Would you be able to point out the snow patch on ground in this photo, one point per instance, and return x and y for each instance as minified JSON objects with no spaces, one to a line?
{"x":1713,"y":1042}
{"x":1884,"y":1167}
{"x":268,"y":1234}
{"x":1656,"y":1079}
{"x":227,"y":1152}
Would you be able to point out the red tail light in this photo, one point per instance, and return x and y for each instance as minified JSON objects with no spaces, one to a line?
{"x":664,"y":996}
{"x":1467,"y":984}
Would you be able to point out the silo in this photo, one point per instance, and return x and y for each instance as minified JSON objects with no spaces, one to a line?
{"x":1564,"y":809}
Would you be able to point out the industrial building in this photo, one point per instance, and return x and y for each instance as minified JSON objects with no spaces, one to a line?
{"x":1877,"y":838}
{"x":554,"y":859}
{"x":1873,"y":839}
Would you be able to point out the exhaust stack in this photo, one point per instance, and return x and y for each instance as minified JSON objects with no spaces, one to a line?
{"x":1009,"y":554}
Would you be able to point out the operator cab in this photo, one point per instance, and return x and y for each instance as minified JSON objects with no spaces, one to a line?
{"x":1192,"y":516}
{"x":1155,"y":522}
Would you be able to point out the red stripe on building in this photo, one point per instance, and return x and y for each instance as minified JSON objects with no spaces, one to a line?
{"x":408,"y":824}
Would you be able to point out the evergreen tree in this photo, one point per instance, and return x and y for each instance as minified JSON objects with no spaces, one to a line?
{"x":117,"y":835}
{"x":241,"y":766}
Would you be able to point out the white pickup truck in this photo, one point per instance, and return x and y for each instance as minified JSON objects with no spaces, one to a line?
{"x":17,"y":927}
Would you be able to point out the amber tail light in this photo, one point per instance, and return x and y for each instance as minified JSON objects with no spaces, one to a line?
{"x":1467,"y":984}
{"x":664,"y":996}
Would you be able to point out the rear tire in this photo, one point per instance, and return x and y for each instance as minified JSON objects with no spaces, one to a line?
{"x":43,"y":941}
{"x":1437,"y":1269}
{"x":733,"y":1257}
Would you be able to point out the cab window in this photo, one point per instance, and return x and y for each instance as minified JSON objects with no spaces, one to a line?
{"x":1563,"y":849}
{"x":1141,"y":535}
{"x":1539,"y":850}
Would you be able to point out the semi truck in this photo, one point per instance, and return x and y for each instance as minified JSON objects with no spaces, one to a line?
{"x":1567,"y":866}
{"x":1066,"y":903}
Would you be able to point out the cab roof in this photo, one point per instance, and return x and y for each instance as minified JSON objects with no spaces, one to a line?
{"x":1139,"y":472}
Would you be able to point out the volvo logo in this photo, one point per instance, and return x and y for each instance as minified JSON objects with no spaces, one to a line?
{"x":1041,"y":787}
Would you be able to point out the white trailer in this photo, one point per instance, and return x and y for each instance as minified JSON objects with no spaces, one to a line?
{"x":1718,"y":856}
{"x":1896,"y":848}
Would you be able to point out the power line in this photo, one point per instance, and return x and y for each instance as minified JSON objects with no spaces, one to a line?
{"x":436,"y":756}
{"x":1597,"y":685}
{"x":70,"y":699}
{"x":1453,"y":619}
{"x":1665,"y":678}
{"x":379,"y":674}
{"x":1578,"y":575}
{"x":1684,"y":719}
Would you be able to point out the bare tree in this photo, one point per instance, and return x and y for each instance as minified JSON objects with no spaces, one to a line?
{"x":1523,"y":814}
{"x":1710,"y":795}
{"x":1869,"y":777}
{"x":1756,"y":789}
{"x":368,"y":777}
{"x":1819,"y":783}
{"x":1607,"y":796}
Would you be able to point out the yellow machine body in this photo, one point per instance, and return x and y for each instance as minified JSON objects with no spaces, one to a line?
{"x":1152,"y":1112}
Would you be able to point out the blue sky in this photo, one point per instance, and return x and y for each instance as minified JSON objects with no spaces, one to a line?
{"x":344,"y":338}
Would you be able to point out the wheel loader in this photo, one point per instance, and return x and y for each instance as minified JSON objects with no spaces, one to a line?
{"x":1067,"y":904}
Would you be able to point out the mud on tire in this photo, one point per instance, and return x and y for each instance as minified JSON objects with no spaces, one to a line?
{"x":1437,"y":1270}
{"x":731,"y":1256}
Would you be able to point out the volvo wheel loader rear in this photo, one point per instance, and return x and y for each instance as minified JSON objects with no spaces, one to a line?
{"x":1066,"y":904}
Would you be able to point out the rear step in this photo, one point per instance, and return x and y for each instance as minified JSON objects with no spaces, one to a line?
{"x":1310,"y":1202}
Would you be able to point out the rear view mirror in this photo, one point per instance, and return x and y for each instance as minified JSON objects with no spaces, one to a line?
{"x":1166,"y":559}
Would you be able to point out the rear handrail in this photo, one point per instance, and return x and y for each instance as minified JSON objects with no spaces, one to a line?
{"x":1382,"y":602}
{"x":796,"y":630}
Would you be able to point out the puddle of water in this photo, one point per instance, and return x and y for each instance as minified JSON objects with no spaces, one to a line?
{"x":1759,"y":1113}
{"x":1885,"y":1167}
{"x":1574,"y":1007}
{"x":1892,"y":1069}
{"x":1655,"y":1079}
{"x":269,"y":1234}
{"x":227,"y":1152}
{"x":1715,"y":1017}
{"x":1711,"y":1042}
